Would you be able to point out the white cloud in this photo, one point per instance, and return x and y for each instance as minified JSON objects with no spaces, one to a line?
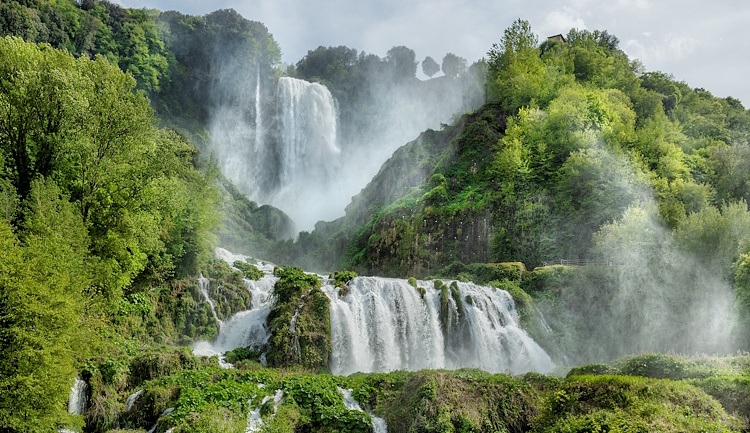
{"x":562,"y":21}
{"x":681,"y":46}
{"x":638,"y":4}
{"x":669,"y":47}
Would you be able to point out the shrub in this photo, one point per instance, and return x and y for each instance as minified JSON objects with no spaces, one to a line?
{"x":250,"y":272}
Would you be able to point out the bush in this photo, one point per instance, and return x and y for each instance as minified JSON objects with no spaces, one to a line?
{"x":242,"y":354}
{"x":592,"y":369}
{"x":250,"y":272}
{"x":342,"y":278}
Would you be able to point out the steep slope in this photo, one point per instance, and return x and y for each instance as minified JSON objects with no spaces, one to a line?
{"x":587,"y":138}
{"x":581,"y":160}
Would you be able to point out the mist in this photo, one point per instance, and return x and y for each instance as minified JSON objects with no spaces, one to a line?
{"x":655,"y":288}
{"x":307,"y":149}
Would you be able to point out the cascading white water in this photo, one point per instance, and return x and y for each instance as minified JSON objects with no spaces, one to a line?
{"x":204,"y":285}
{"x":308,"y":127}
{"x":78,"y":397}
{"x":384,"y":325}
{"x":246,"y":328}
{"x":308,"y":152}
{"x":167,"y":412}
{"x":132,"y":399}
{"x":254,"y":420}
{"x":258,"y":116}
{"x":297,"y":350}
{"x":378,"y":424}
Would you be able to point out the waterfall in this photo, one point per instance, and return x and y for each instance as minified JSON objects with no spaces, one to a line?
{"x":167,"y":412}
{"x":254,"y":419}
{"x":383,"y":325}
{"x":258,"y":117}
{"x":78,"y":397}
{"x":308,"y":128}
{"x":246,"y":328}
{"x":296,"y":349}
{"x":308,"y":153}
{"x":378,"y":424}
{"x":204,"y":284}
{"x":131,"y":399}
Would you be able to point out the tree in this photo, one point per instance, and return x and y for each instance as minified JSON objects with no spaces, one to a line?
{"x":518,"y":41}
{"x":430,"y":66}
{"x":80,"y":123}
{"x":42,"y":280}
{"x":453,"y":65}
{"x":402,"y":62}
{"x":516,"y":74}
{"x":37,"y":104}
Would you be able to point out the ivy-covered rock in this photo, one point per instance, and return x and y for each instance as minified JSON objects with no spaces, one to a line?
{"x":299,"y":321}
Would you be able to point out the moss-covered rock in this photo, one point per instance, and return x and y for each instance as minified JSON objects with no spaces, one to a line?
{"x":341,"y":279}
{"x":483,"y":273}
{"x":620,"y":403}
{"x":250,"y":272}
{"x":227,"y":289}
{"x":299,"y":321}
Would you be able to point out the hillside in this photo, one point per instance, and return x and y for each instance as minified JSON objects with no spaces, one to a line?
{"x":579,"y":157}
{"x":576,"y":135}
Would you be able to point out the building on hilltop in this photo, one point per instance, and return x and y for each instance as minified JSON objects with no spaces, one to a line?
{"x":556,"y":38}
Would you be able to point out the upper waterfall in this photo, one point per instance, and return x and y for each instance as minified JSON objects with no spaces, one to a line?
{"x":308,"y":154}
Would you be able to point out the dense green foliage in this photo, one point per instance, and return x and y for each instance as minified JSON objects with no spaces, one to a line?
{"x":101,"y":206}
{"x":579,"y":157}
{"x":575,"y":135}
{"x":250,"y":272}
{"x":658,"y":397}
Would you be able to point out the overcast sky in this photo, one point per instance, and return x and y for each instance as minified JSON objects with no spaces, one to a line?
{"x":703,"y":43}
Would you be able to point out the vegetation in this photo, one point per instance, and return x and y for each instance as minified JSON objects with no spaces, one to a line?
{"x":299,"y":321}
{"x":107,"y":220}
{"x":250,"y":272}
{"x":445,"y":401}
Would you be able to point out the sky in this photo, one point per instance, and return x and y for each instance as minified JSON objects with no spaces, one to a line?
{"x":703,"y":43}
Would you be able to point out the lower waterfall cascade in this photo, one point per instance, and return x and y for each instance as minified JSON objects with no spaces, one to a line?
{"x":385,"y":324}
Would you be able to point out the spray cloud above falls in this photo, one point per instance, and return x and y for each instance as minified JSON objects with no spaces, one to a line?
{"x":308,"y":144}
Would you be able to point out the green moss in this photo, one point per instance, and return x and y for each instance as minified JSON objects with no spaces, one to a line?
{"x":462,"y":401}
{"x":483,"y":273}
{"x":445,"y":307}
{"x":592,"y":369}
{"x":227,"y":288}
{"x":241,"y":354}
{"x":631,"y":404}
{"x":732,"y":391}
{"x":456,"y":295}
{"x":309,"y":344}
{"x":662,"y":366}
{"x":161,"y":362}
{"x":251,"y":272}
{"x":548,"y":278}
{"x":343,"y":277}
